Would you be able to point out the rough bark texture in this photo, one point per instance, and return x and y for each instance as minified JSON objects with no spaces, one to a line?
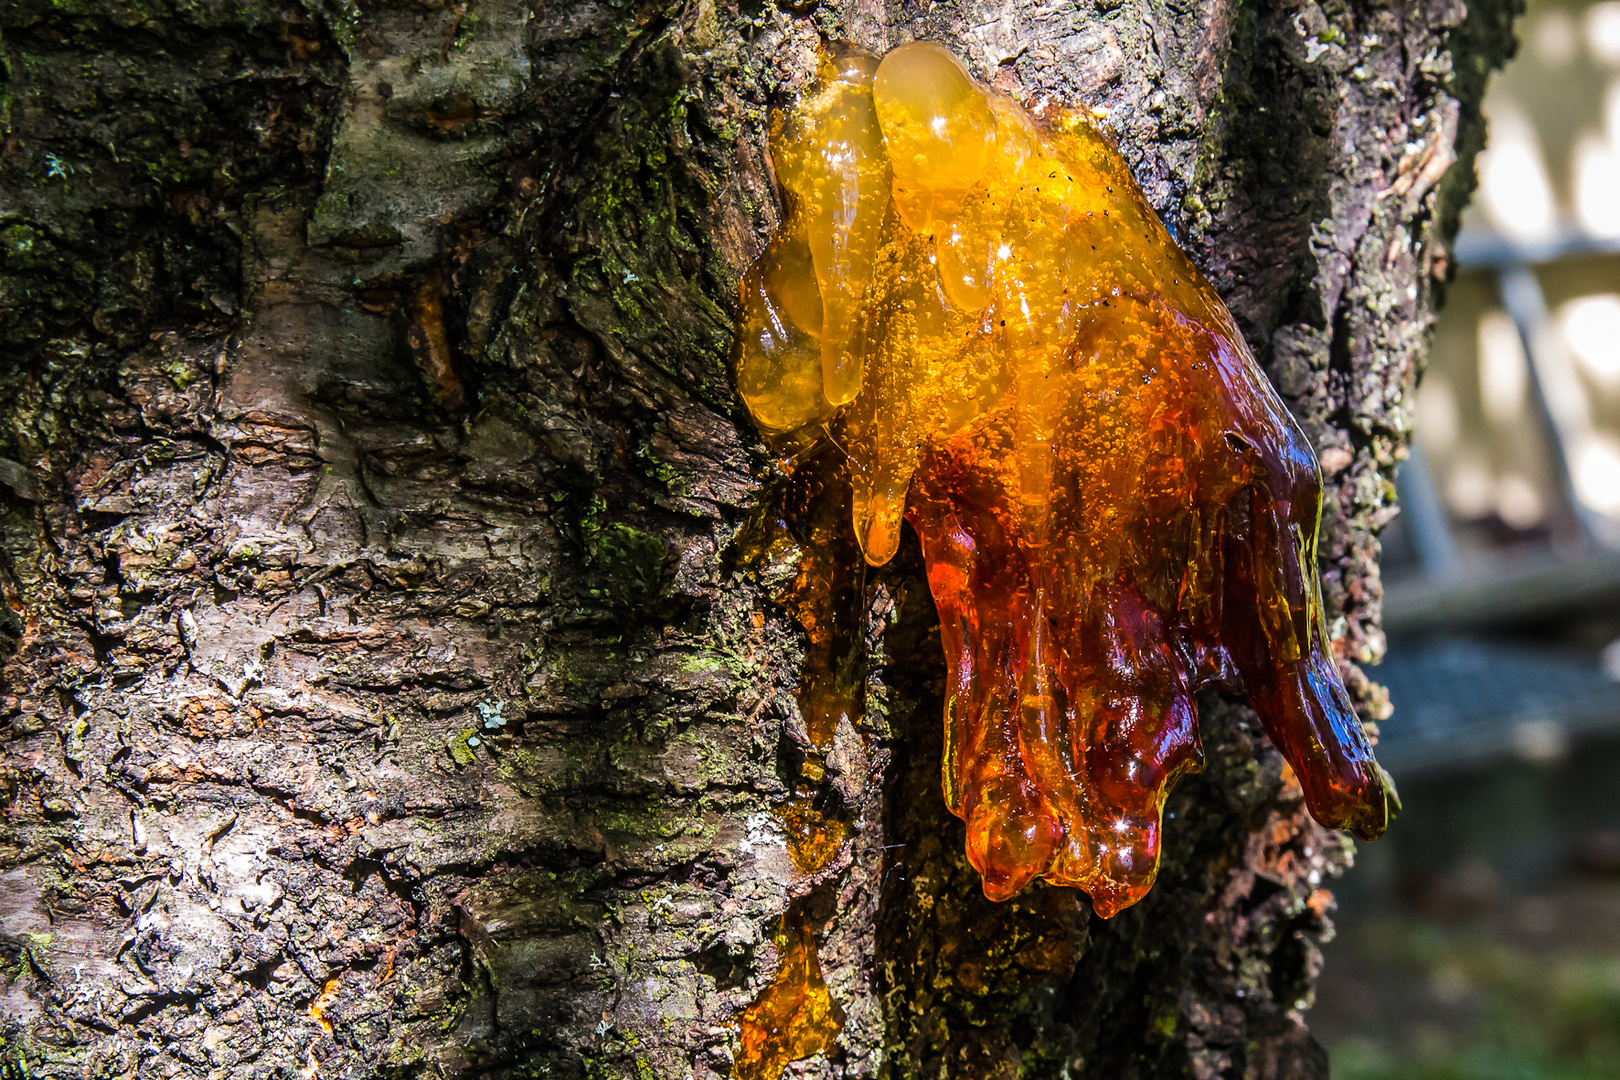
{"x":388,"y":691}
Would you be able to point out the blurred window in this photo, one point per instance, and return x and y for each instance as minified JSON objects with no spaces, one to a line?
{"x":1518,"y":414}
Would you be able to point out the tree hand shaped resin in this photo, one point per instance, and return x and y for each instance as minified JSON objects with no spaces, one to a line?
{"x":984,"y":316}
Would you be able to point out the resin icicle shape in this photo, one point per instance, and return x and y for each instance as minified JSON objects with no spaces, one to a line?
{"x":1115,"y":508}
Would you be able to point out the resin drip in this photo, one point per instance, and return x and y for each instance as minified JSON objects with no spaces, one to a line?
{"x":827,"y":600}
{"x":1115,"y":507}
{"x":795,"y":1017}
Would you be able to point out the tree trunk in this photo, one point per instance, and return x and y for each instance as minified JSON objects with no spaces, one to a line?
{"x":402,"y":673}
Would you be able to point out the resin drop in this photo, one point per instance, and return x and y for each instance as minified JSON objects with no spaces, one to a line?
{"x":1115,"y":508}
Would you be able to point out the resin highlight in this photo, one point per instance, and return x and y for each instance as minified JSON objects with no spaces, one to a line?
{"x":1115,"y":508}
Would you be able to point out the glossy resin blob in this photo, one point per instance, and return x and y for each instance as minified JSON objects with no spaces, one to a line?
{"x":981,"y":315}
{"x":794,"y":1017}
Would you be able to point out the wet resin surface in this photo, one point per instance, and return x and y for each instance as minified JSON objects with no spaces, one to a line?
{"x":976,"y":313}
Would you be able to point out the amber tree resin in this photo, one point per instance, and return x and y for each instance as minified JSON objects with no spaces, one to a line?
{"x":981,"y":313}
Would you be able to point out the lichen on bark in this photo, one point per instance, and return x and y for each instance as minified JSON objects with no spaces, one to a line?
{"x":355,"y":725}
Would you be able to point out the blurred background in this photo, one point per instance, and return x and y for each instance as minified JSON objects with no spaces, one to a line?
{"x":1481,"y":937}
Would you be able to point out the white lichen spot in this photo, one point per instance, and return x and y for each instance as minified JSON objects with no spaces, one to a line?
{"x":761,"y":831}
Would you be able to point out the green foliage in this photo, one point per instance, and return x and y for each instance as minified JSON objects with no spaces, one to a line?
{"x":1533,"y":1016}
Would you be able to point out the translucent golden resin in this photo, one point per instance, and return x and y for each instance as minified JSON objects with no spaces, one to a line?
{"x":1115,"y":508}
{"x":813,"y":838}
{"x":794,"y":1017}
{"x":826,"y":598}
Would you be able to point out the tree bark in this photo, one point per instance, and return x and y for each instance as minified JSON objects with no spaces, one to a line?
{"x":397,"y":683}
